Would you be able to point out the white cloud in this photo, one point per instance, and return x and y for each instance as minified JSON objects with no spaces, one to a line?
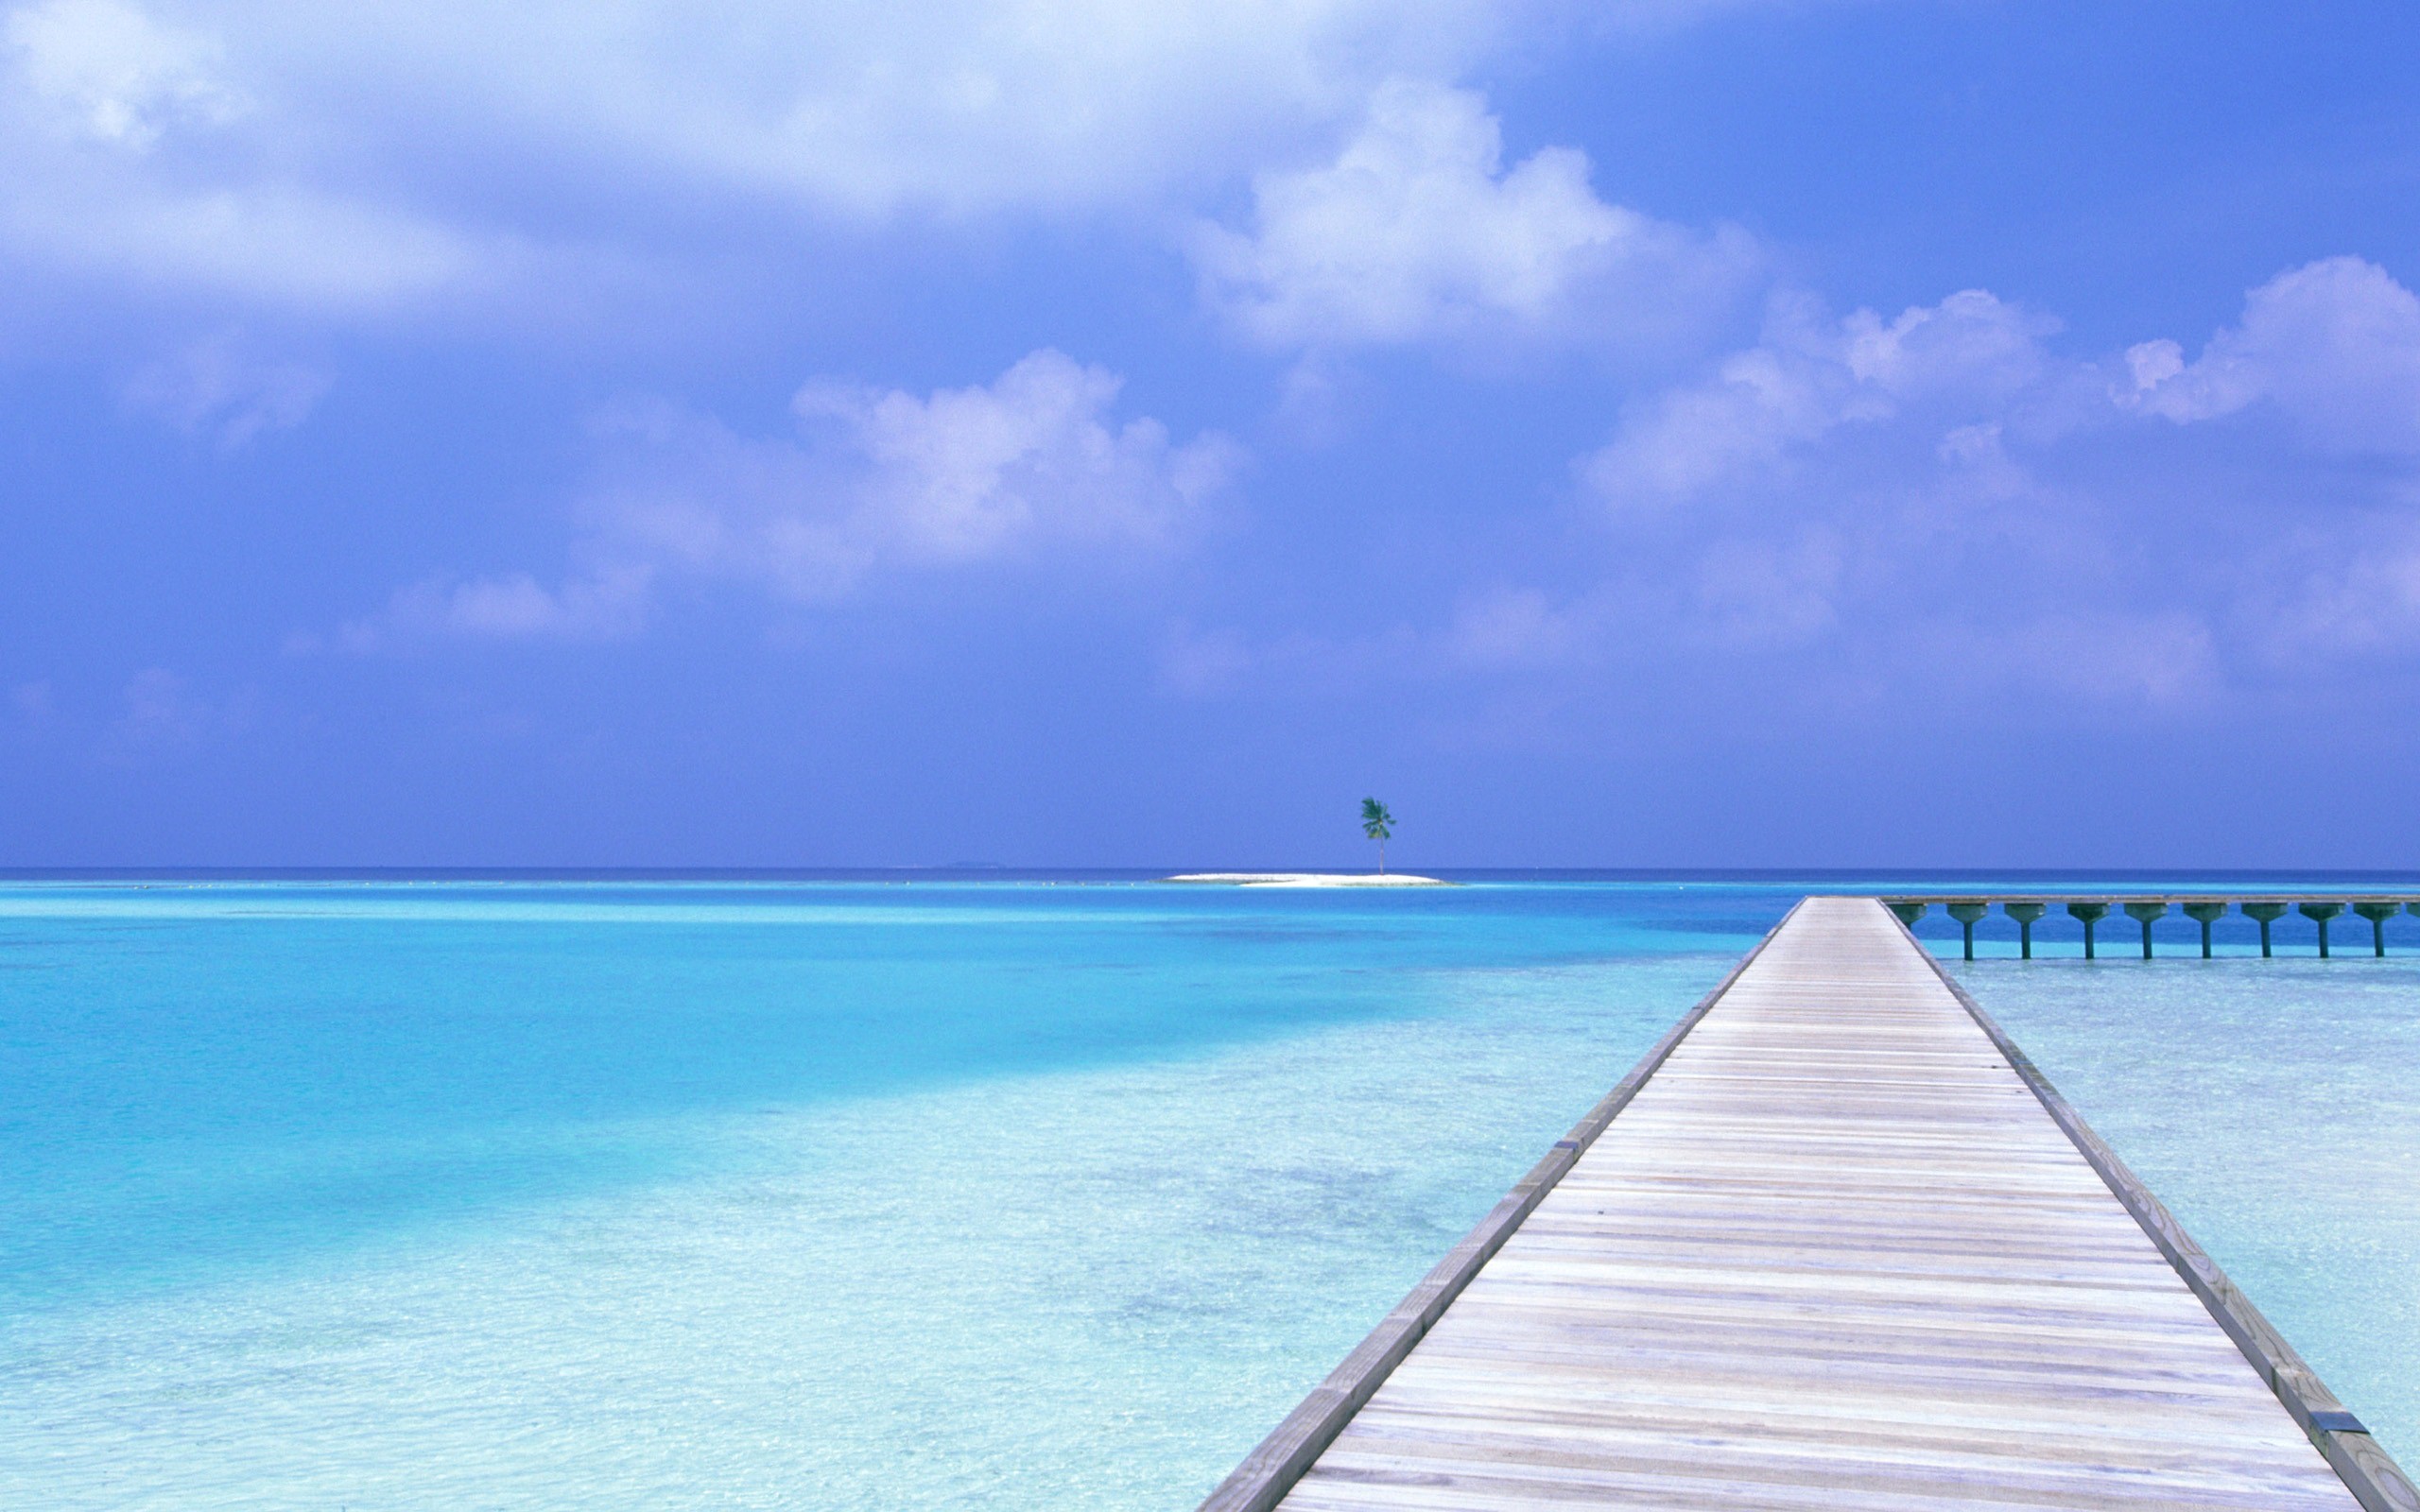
{"x":376,"y":133}
{"x":220,"y":387}
{"x":972,"y":472}
{"x":346,"y":158}
{"x":2334,"y":344}
{"x":107,"y":72}
{"x":1970,"y":358}
{"x":1417,"y":230}
{"x":129,"y":161}
{"x":1028,"y":468}
{"x":608,"y":605}
{"x":1943,"y":478}
{"x":261,"y":243}
{"x":886,"y":480}
{"x":246,"y":242}
{"x":954,"y":106}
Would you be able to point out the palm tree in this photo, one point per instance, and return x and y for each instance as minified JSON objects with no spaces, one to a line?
{"x":1378,"y":824}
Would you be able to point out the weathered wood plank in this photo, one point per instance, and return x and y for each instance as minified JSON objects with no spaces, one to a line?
{"x":1831,"y":1254}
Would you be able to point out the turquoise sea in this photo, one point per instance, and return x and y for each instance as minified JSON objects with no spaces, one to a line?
{"x":912,"y":1191}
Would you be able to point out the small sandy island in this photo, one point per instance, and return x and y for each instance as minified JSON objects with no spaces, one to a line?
{"x":1311,"y":879}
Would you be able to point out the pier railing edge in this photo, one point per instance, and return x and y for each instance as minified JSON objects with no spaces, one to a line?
{"x":2368,"y":1470}
{"x":1271,"y":1470}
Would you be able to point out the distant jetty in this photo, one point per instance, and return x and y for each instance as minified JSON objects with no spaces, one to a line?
{"x":1311,"y":879}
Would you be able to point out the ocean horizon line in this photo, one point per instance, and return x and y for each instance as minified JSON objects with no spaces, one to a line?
{"x":1876,"y":877}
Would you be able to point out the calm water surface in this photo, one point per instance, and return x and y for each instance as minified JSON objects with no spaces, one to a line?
{"x":862,"y":1194}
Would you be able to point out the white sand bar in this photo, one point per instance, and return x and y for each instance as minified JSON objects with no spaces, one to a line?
{"x":1311,"y":879}
{"x":1834,"y":1253}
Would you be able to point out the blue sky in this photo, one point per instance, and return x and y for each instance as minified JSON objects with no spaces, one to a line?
{"x":1656,"y":434}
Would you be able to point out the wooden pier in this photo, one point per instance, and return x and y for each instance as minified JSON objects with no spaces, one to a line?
{"x":1834,"y":1243}
{"x":2147,"y":909}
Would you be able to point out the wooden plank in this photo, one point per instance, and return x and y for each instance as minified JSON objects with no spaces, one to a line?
{"x":1844,"y":1247}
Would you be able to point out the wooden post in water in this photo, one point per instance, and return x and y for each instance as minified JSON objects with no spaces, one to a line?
{"x":2143,"y":910}
{"x":2267,"y":911}
{"x":2206,"y":912}
{"x":2025,"y":913}
{"x":2089,"y":912}
{"x":2378,"y":911}
{"x":1966,"y":911}
{"x":2320,"y":913}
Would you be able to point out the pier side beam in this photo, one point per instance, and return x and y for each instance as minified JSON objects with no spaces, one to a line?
{"x":1966,"y":911}
{"x":2142,"y":911}
{"x":2025,"y":914}
{"x":2206,"y":912}
{"x":2089,"y":912}
{"x":2268,"y":912}
{"x":2320,"y":913}
{"x":2378,"y":911}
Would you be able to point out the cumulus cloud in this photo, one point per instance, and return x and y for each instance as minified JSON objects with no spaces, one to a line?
{"x":1030,"y":463}
{"x":1849,"y":472}
{"x":1418,"y":230}
{"x":1971,"y":359}
{"x":347,"y":159}
{"x":2334,"y":344}
{"x":972,"y":472}
{"x":1946,"y":479}
{"x":218,"y":386}
{"x":1029,"y":468}
{"x":342,"y":159}
{"x":106,"y":71}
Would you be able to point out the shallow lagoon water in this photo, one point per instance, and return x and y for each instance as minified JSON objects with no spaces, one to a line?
{"x":1010,"y":1195}
{"x":2274,"y":1107}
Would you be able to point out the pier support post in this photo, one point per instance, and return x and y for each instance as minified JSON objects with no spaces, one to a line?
{"x":2378,"y":911}
{"x":2320,"y":913}
{"x":2089,"y":912}
{"x":1967,"y":910}
{"x":2268,"y":912}
{"x":2025,"y":914}
{"x":2142,"y":911}
{"x":1909,"y":909}
{"x":2206,"y":912}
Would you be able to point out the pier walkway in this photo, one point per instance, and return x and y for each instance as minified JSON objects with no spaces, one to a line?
{"x":1833,"y":1244}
